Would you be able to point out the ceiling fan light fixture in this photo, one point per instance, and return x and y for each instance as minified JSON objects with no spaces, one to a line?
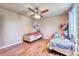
{"x":37,"y":16}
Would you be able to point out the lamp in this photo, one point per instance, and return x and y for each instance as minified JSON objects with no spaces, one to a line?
{"x":37,"y":16}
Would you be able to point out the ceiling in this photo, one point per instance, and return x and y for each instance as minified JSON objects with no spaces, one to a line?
{"x":55,"y":9}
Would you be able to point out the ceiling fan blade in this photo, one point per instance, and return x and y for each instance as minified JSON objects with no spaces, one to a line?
{"x":32,"y":15}
{"x":44,"y":11}
{"x":41,"y":16}
{"x":36,"y":8}
{"x":31,"y":10}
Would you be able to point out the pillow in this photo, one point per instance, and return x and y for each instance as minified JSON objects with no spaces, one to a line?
{"x":57,"y":34}
{"x":62,"y":33}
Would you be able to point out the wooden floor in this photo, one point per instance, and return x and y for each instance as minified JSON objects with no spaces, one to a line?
{"x":37,"y":48}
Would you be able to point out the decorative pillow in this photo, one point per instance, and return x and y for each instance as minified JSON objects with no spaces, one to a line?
{"x":62,"y":33}
{"x":57,"y":34}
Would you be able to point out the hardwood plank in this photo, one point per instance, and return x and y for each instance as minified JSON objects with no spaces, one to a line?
{"x":37,"y":48}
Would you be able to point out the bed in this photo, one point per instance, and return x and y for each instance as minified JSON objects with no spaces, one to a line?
{"x":61,"y":44}
{"x":30,"y":37}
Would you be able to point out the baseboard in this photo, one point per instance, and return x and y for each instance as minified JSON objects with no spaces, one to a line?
{"x":10,"y":45}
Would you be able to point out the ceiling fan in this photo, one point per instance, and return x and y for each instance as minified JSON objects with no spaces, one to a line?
{"x":38,"y":13}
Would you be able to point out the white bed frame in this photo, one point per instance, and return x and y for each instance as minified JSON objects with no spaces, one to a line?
{"x":66,"y":52}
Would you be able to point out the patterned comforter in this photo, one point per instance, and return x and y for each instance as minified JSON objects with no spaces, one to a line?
{"x":61,"y":42}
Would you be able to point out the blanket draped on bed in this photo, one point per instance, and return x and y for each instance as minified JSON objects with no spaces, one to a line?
{"x":61,"y":42}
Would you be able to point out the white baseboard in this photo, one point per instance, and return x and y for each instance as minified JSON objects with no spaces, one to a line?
{"x":10,"y":45}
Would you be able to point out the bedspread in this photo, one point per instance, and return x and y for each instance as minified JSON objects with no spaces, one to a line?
{"x":62,"y":43}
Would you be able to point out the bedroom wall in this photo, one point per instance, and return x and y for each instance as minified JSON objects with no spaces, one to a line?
{"x":12,"y":27}
{"x":51,"y":25}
